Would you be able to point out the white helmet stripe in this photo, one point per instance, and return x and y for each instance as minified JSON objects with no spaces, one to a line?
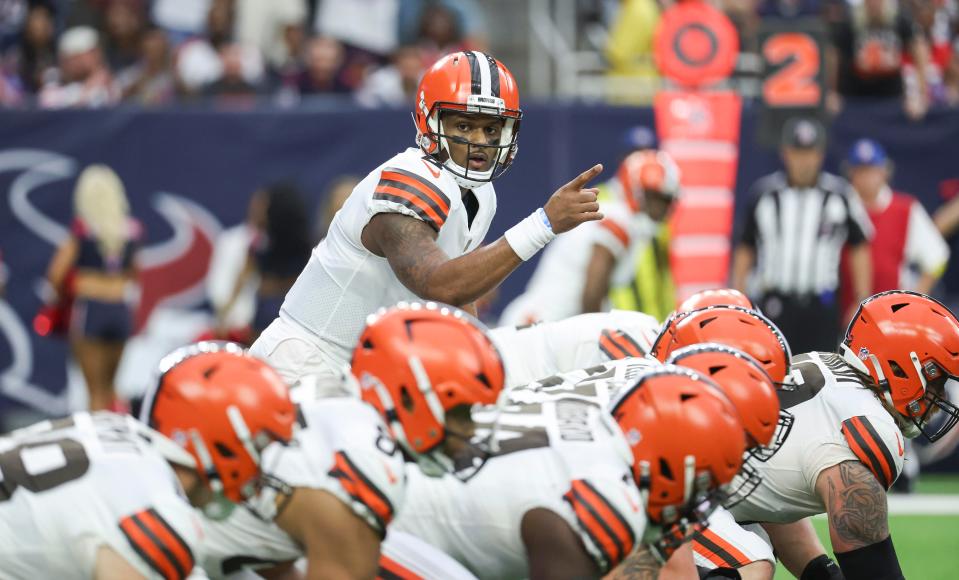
{"x":486,"y":88}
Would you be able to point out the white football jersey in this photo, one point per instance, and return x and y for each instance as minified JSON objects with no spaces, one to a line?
{"x":343,"y":282}
{"x":555,"y":290}
{"x":341,"y":447}
{"x":836,"y":419}
{"x":548,"y":348}
{"x":71,"y":486}
{"x":565,"y":455}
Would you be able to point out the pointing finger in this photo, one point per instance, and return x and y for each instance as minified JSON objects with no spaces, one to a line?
{"x":584,"y":177}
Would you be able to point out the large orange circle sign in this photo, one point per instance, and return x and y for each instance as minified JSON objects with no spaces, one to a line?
{"x":696,"y":44}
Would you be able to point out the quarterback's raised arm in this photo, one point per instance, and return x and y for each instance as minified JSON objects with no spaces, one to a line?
{"x":422,"y":266}
{"x":858,"y":522}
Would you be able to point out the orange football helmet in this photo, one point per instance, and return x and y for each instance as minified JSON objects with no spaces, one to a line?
{"x":740,"y":328}
{"x":467,"y":82}
{"x":909,"y":344}
{"x":223,"y":407}
{"x":644,"y":171}
{"x":753,"y":393}
{"x":682,"y":478}
{"x":716,"y":297}
{"x":415,"y":363}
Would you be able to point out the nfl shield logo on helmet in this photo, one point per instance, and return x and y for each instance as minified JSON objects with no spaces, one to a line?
{"x":863,"y":353}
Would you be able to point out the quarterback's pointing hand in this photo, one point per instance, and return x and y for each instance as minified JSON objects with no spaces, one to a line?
{"x":574,"y":203}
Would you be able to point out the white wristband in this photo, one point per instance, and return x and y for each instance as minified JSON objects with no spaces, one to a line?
{"x":530,"y":235}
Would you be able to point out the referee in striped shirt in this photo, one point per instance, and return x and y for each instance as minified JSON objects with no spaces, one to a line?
{"x":794,"y":234}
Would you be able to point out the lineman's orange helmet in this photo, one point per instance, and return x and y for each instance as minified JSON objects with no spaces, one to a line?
{"x":683,"y":478}
{"x":716,"y":297}
{"x":415,"y":363}
{"x":740,"y":328}
{"x":224,"y":407}
{"x":909,"y":344}
{"x":469,"y":82}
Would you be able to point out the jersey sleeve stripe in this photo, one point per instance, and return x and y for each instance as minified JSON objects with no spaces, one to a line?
{"x":627,"y":344}
{"x":150,"y":548}
{"x":602,"y":523}
{"x":429,"y":190}
{"x":362,"y":490}
{"x":718,"y":551}
{"x":868,"y":447}
{"x":617,"y":230}
{"x":408,"y":185}
{"x":609,"y":348}
{"x":410,"y":200}
{"x":171,"y":539}
{"x":390,"y":569}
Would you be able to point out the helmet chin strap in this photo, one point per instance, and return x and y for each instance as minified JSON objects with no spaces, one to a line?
{"x":909,"y":429}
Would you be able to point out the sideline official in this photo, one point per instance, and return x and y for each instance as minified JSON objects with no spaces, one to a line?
{"x":797,"y":225}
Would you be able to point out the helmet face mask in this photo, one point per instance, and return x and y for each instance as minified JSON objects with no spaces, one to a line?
{"x":500,"y":154}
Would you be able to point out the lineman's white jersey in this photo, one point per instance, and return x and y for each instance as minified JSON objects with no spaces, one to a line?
{"x":343,"y":282}
{"x":565,"y":455}
{"x":341,"y":447}
{"x":548,"y":348}
{"x":555,"y":290}
{"x":836,"y":419}
{"x":71,"y":486}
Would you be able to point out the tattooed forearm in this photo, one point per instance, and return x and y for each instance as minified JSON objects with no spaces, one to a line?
{"x":410,"y":246}
{"x":640,"y":565}
{"x":856,"y":503}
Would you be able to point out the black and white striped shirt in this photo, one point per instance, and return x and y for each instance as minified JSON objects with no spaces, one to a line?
{"x":798,"y":234}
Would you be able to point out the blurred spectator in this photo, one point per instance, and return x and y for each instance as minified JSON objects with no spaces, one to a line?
{"x":83,"y":79}
{"x":369,"y":26}
{"x":196,"y":65}
{"x":394,"y":85}
{"x":796,"y":227}
{"x":150,"y":81}
{"x":274,"y":27}
{"x":439,"y":33}
{"x":277,"y":255}
{"x":96,"y":265}
{"x":870,"y":48}
{"x":468,"y":16}
{"x":333,"y":200}
{"x":906,"y":242}
{"x":181,"y":19}
{"x":219,"y":23}
{"x":785,"y":9}
{"x":13,"y":14}
{"x":323,"y":74}
{"x":629,"y":48}
{"x":242,"y":76}
{"x":936,"y":22}
{"x":35,"y":56}
{"x":124,"y":24}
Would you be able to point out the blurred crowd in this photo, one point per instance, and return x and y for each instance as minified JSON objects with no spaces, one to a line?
{"x":883,"y":49}
{"x":94,"y":53}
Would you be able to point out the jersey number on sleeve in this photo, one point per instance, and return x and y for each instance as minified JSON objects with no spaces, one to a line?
{"x":72,"y":463}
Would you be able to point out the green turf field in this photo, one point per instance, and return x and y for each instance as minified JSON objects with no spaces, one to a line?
{"x":927,"y":545}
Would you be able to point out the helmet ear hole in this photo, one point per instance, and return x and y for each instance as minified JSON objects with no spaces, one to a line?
{"x":897,"y":370}
{"x":223,"y":450}
{"x":406,"y":399}
{"x":664,"y":469}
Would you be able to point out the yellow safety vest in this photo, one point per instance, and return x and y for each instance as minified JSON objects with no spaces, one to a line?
{"x":651,"y":290}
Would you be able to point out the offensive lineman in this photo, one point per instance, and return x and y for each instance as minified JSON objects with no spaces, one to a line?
{"x":851,"y":412}
{"x":413,"y":228}
{"x":556,"y":497}
{"x":549,"y":348}
{"x":333,"y":492}
{"x":101,"y":495}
